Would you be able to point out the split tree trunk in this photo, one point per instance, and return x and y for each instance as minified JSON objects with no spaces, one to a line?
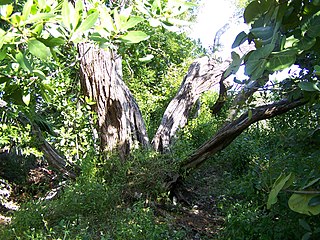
{"x":202,"y":75}
{"x":120,"y":123}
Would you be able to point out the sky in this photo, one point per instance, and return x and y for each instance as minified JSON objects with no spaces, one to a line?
{"x":212,"y":15}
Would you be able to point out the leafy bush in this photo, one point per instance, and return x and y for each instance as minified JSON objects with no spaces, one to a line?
{"x":281,"y":145}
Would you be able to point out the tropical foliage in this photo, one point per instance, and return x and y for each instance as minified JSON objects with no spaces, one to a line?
{"x":269,"y":170}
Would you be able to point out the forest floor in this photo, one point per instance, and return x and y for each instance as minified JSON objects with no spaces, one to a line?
{"x":198,"y":215}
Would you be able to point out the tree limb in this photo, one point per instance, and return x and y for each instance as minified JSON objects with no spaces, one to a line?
{"x":230,"y":131}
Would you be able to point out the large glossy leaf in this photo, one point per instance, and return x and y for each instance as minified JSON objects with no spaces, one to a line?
{"x":38,"y":49}
{"x":134,"y":37}
{"x":281,"y":60}
{"x":299,"y":203}
{"x":281,"y":183}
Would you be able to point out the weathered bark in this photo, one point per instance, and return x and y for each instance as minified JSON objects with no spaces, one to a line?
{"x":120,"y":122}
{"x":57,"y":161}
{"x":202,"y":75}
{"x":232,"y":130}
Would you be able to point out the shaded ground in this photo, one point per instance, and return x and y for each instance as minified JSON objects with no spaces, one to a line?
{"x":200,"y":215}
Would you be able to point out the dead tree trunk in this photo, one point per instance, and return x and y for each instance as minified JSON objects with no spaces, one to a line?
{"x":120,"y":122}
{"x":202,"y":75}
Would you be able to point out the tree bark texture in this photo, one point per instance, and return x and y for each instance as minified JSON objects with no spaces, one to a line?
{"x":232,"y":130}
{"x":120,"y":122}
{"x":202,"y":75}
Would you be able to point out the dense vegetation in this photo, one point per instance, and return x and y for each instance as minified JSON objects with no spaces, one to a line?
{"x":264,"y":185}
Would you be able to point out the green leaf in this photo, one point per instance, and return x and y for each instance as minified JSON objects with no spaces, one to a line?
{"x":26,"y":99}
{"x":132,"y":22}
{"x":241,"y":38}
{"x":315,"y":201}
{"x":234,"y":66}
{"x":146,"y":58}
{"x":306,"y":43}
{"x":4,"y":79}
{"x":39,"y":17}
{"x":313,"y":26}
{"x":125,"y":14}
{"x":306,"y":236}
{"x":256,"y":63}
{"x":308,"y":86}
{"x":278,"y":185}
{"x":317,"y":69}
{"x":305,"y":225}
{"x":134,"y":37}
{"x":40,"y":74}
{"x":67,"y":14}
{"x":311,"y":183}
{"x":281,"y":60}
{"x":52,"y":42}
{"x":26,"y":9}
{"x":88,"y":22}
{"x":3,"y":53}
{"x":4,"y":2}
{"x":38,"y":49}
{"x":299,"y":203}
{"x":255,"y":9}
{"x":116,"y":18}
{"x":23,"y":62}
{"x":106,"y":20}
{"x":263,"y":33}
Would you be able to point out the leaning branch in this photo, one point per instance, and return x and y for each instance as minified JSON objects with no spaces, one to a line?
{"x":230,"y":131}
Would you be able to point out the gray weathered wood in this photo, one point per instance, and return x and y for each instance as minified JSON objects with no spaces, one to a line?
{"x":202,"y":75}
{"x":120,"y":123}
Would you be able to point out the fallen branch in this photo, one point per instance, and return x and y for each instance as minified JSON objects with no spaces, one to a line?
{"x":230,"y":131}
